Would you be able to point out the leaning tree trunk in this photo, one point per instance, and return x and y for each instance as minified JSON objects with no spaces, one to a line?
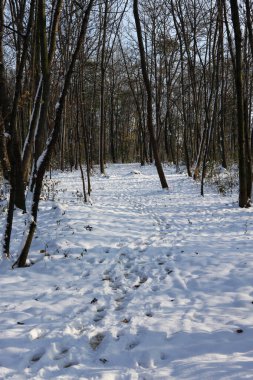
{"x":149,"y":97}
{"x":9,"y":114}
{"x":45,"y":157}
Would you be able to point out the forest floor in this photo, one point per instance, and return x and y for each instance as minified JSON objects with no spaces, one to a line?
{"x":141,"y":283}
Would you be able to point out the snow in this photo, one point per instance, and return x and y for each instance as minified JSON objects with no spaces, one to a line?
{"x":141,"y":284}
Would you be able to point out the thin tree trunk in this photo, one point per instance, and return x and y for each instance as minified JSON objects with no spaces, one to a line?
{"x":29,"y":143}
{"x":102,"y":95}
{"x":4,"y":102}
{"x":17,"y":192}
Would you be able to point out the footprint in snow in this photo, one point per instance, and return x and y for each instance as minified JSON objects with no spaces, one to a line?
{"x":100,"y":315}
{"x":70,"y":364}
{"x":81,"y":311}
{"x":96,"y":340}
{"x":119,"y":307}
{"x":107,"y":272}
{"x":85,"y":274}
{"x":168,"y":271}
{"x":141,"y":281}
{"x":37,"y":356}
{"x":115,"y":285}
{"x":132,"y":345}
{"x":145,"y":361}
{"x":120,"y":302}
{"x":61,"y":353}
{"x":164,"y":356}
{"x":106,"y":277}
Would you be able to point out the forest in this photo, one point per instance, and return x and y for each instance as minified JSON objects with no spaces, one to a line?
{"x":141,"y":110}
{"x":96,"y":82}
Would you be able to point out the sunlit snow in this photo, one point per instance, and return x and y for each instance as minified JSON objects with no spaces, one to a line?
{"x":140,"y":283}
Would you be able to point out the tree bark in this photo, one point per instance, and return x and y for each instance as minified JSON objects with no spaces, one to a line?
{"x":149,"y":97}
{"x":45,"y":157}
{"x":244,"y":200}
{"x":4,"y":102}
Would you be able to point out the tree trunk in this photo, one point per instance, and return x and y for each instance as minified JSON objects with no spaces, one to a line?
{"x":244,"y":200}
{"x":149,"y":97}
{"x":4,"y":103}
{"x":102,"y":95}
{"x":45,"y":157}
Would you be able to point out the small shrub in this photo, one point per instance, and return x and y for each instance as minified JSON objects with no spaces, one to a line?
{"x":225,"y":180}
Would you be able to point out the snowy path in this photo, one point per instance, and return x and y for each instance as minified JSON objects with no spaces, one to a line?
{"x":142,"y":284}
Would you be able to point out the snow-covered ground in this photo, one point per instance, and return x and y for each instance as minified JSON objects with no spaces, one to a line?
{"x":141,"y":284}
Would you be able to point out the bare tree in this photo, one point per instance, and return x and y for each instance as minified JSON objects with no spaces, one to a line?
{"x":244,"y":194}
{"x":44,"y":159}
{"x":149,"y":96}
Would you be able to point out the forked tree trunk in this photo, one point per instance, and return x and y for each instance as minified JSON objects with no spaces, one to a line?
{"x":29,"y":143}
{"x":10,"y":119}
{"x":45,"y":157}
